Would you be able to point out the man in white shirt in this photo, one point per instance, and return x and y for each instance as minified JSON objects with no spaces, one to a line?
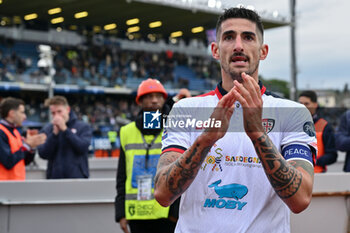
{"x":251,"y":161}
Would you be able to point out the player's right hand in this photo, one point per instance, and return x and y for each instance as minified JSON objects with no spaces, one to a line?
{"x":222,"y":112}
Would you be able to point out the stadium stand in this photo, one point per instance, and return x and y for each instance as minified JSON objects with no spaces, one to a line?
{"x":106,"y":65}
{"x":101,"y":65}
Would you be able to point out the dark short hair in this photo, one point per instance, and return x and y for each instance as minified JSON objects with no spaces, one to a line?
{"x":56,"y":100}
{"x":310,"y":94}
{"x":243,"y":13}
{"x":9,"y":104}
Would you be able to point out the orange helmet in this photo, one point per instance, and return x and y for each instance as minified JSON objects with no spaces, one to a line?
{"x":150,"y":86}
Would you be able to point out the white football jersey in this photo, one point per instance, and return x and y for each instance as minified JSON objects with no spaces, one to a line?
{"x":231,"y":192}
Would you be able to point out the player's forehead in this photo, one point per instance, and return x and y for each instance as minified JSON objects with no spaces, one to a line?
{"x":238,"y":25}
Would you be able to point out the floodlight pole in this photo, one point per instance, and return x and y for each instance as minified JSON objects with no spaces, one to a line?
{"x":51,"y":83}
{"x":46,"y":61}
{"x":293,"y":88}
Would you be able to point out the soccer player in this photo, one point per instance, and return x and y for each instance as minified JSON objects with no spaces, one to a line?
{"x":248,"y":173}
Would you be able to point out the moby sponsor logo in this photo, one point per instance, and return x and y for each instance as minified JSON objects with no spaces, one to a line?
{"x":235,"y":191}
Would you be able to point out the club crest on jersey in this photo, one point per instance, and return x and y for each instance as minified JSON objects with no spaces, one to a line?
{"x":268,"y":124}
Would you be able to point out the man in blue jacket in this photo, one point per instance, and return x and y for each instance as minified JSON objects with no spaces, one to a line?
{"x":342,"y":138}
{"x":68,"y":139}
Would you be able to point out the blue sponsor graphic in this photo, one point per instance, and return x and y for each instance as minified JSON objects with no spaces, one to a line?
{"x":151,"y":120}
{"x":235,"y":191}
{"x":309,"y":129}
{"x":139,"y":168}
{"x":297,"y":151}
{"x":222,"y":203}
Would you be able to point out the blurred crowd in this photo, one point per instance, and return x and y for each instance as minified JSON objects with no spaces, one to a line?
{"x":103,"y":65}
{"x":110,"y":111}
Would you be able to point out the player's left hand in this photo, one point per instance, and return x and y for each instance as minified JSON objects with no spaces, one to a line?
{"x":249,"y":95}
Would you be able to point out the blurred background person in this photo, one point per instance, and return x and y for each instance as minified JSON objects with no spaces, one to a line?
{"x":67,"y":144}
{"x":326,"y":151}
{"x":139,"y":155}
{"x":342,"y":137}
{"x":15,"y":151}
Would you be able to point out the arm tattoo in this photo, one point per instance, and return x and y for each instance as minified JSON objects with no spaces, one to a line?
{"x":164,"y":160}
{"x":283,"y":176}
{"x":304,"y":165}
{"x":180,"y":174}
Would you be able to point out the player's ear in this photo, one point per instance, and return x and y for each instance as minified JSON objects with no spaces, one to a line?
{"x":215,"y":50}
{"x":264,"y":50}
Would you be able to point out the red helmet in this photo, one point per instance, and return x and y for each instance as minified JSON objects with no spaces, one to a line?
{"x":150,"y":86}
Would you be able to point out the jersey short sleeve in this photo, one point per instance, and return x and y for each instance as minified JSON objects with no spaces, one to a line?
{"x":176,"y":137}
{"x":299,"y":135}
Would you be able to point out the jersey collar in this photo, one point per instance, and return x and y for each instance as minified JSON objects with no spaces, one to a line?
{"x":220,"y":92}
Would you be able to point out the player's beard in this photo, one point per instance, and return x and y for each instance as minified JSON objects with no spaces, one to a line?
{"x":238,"y":75}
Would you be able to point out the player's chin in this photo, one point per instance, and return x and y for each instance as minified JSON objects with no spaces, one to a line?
{"x":239,"y":69}
{"x":236,"y":75}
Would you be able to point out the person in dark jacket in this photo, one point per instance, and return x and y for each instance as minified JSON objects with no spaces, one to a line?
{"x":342,"y":138}
{"x":68,"y":140}
{"x":326,"y":151}
{"x":151,"y":96}
{"x":15,"y":151}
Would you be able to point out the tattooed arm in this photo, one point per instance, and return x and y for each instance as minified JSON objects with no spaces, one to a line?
{"x":176,"y":171}
{"x":292,"y":180}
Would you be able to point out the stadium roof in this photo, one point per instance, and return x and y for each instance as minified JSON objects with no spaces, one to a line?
{"x":103,"y":12}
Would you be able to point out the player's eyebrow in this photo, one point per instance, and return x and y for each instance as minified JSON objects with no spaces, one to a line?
{"x":249,"y":33}
{"x":235,"y":32}
{"x":229,"y":32}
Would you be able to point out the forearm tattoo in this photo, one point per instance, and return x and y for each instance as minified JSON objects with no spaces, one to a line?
{"x":180,"y":174}
{"x":283,"y":176}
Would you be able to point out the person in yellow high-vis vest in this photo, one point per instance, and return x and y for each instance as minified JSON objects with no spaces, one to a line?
{"x":326,"y":150}
{"x":139,"y":154}
{"x":15,"y":151}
